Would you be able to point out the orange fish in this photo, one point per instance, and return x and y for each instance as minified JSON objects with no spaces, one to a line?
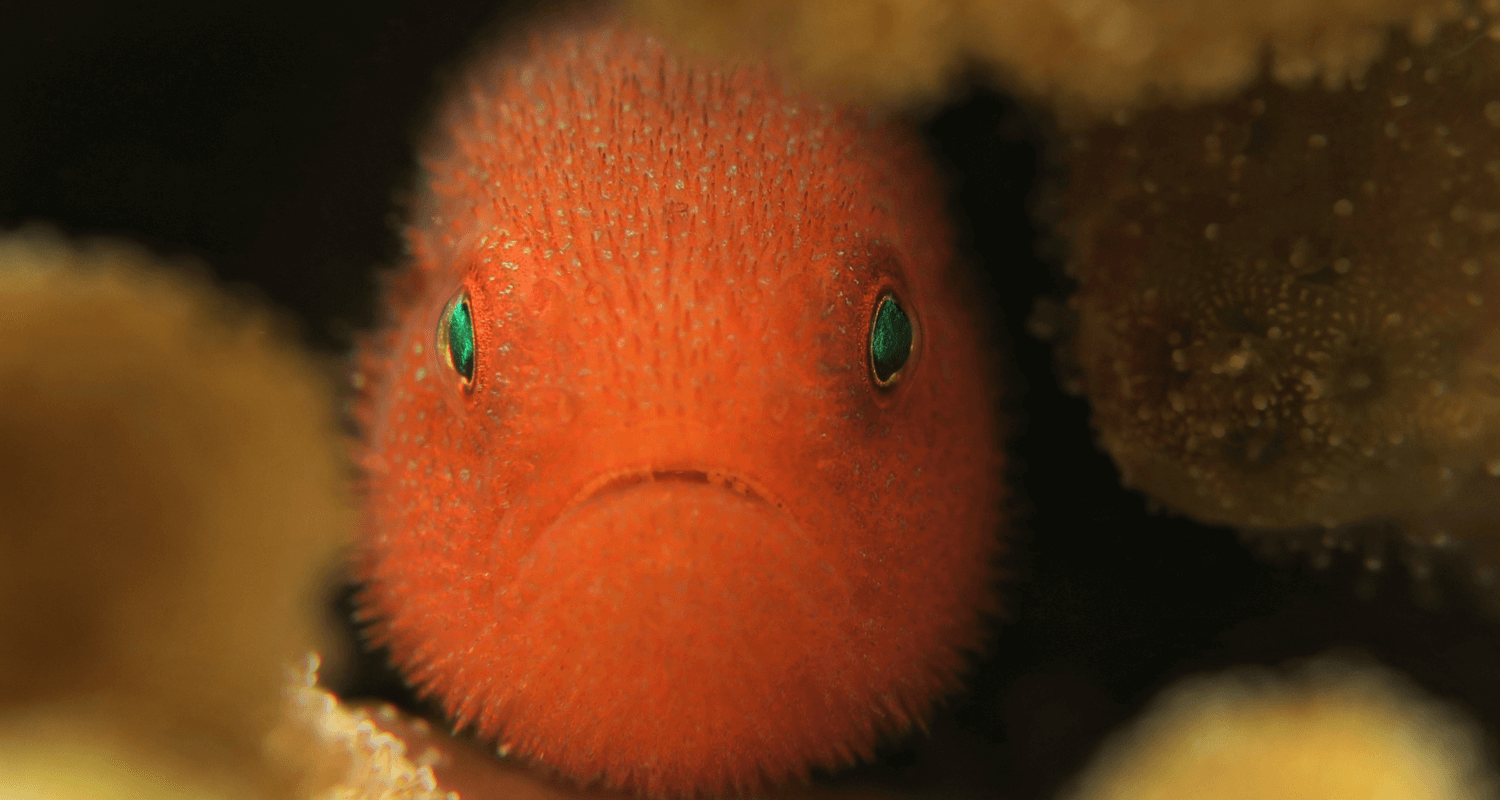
{"x":682,"y":457}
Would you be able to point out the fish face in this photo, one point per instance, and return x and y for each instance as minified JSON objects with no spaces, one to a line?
{"x":684,"y":473}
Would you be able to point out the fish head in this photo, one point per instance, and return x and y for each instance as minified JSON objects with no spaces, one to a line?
{"x":685,"y":469}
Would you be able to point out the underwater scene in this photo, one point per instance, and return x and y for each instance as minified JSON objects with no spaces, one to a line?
{"x":685,"y":399}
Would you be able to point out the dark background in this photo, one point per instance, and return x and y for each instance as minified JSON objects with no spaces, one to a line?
{"x":273,"y":141}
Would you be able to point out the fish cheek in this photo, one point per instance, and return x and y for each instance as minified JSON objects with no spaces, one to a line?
{"x":500,"y":427}
{"x":863,"y":436}
{"x":861,"y":425}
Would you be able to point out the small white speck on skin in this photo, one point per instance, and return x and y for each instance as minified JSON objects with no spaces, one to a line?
{"x":1342,"y":266}
{"x":1343,"y":207}
{"x":1317,"y":141}
{"x":1211,"y":231}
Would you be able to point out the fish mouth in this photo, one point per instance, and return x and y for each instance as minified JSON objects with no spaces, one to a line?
{"x":620,"y":481}
{"x":617,"y":486}
{"x":716,"y":488}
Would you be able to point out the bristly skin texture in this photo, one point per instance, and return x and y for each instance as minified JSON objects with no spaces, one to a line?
{"x":673,"y":537}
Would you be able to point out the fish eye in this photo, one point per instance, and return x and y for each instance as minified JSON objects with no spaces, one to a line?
{"x":890,"y":340}
{"x":456,"y":337}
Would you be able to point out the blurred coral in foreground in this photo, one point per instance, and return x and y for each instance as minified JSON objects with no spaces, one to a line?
{"x":1327,"y":729}
{"x":171,"y":498}
{"x":1093,"y":55}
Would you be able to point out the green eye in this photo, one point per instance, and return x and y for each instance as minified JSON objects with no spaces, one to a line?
{"x":890,"y":340}
{"x":456,"y":337}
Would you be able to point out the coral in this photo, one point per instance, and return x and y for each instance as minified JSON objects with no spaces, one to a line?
{"x":319,"y":749}
{"x":71,"y":754}
{"x":344,"y":753}
{"x":1289,"y":303}
{"x":1329,"y":728}
{"x":1090,"y":56}
{"x":171,"y":494}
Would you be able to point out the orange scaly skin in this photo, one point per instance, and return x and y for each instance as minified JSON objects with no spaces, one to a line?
{"x":674,"y":538}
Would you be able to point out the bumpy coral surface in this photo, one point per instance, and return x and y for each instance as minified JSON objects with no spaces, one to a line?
{"x":684,"y":465}
{"x":1289,"y":303}
{"x":1329,"y":729}
{"x":341,"y":752}
{"x":1088,"y":56}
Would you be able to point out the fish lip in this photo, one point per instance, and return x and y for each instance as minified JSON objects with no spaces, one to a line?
{"x":620,"y":480}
